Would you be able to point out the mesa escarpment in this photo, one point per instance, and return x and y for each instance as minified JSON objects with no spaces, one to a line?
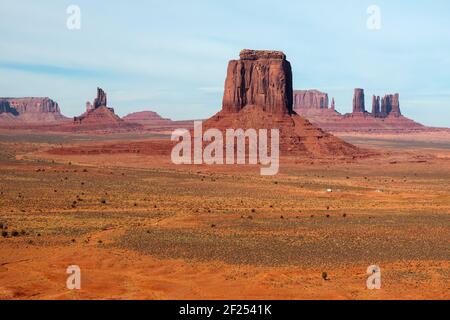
{"x":258,"y":94}
{"x":385,"y":116}
{"x":30,"y":110}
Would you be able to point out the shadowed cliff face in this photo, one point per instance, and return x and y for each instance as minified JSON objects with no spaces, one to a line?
{"x":261,"y":78}
{"x":5,"y":107}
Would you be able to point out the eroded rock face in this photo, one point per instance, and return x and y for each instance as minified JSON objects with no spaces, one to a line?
{"x":100,"y":101}
{"x":310,"y":99}
{"x":358,"y":101}
{"x":333,"y":105}
{"x":259,"y":78}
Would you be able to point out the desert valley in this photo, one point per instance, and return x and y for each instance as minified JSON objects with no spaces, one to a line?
{"x":101,"y":192}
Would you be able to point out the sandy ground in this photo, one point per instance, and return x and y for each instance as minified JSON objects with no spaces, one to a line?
{"x":141,"y":228}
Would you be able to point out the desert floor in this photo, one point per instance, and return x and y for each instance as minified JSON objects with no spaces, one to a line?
{"x":141,"y":228}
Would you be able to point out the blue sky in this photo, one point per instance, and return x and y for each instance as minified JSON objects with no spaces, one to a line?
{"x":171,"y":56}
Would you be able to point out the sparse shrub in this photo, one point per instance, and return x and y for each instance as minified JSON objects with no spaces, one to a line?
{"x":23,"y":232}
{"x":103,"y":201}
{"x":1,"y":225}
{"x":213,"y":226}
{"x":281,"y":217}
{"x":253,"y":210}
{"x":15,"y":233}
{"x":324,"y":275}
{"x":328,"y":215}
{"x":344,"y":215}
{"x":4,"y":234}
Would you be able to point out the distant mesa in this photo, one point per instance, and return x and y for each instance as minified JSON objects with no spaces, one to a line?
{"x":258,"y":94}
{"x":146,"y":118}
{"x":310,"y":99}
{"x":30,"y":110}
{"x":385,"y":115}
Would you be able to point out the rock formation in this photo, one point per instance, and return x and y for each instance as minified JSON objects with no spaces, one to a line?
{"x":358,"y":101}
{"x":390,"y":106}
{"x":259,"y":78}
{"x":310,"y":99}
{"x":99,"y":116}
{"x":393,"y":105}
{"x":385,"y":116}
{"x":100,"y":101}
{"x":258,"y":95}
{"x":375,"y":106}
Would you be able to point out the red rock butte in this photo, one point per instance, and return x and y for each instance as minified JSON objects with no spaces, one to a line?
{"x":259,"y":95}
{"x":259,"y":78}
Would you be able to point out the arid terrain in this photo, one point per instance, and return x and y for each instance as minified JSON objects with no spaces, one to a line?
{"x":140,"y":227}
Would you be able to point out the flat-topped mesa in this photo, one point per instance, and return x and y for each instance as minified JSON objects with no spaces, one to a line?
{"x":310,"y":99}
{"x":259,"y":78}
{"x":100,"y":101}
{"x":358,"y":101}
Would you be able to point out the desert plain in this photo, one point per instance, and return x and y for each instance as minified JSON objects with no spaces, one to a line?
{"x":140,"y":227}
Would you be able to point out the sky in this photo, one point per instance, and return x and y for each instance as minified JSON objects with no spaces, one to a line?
{"x":171,"y":56}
